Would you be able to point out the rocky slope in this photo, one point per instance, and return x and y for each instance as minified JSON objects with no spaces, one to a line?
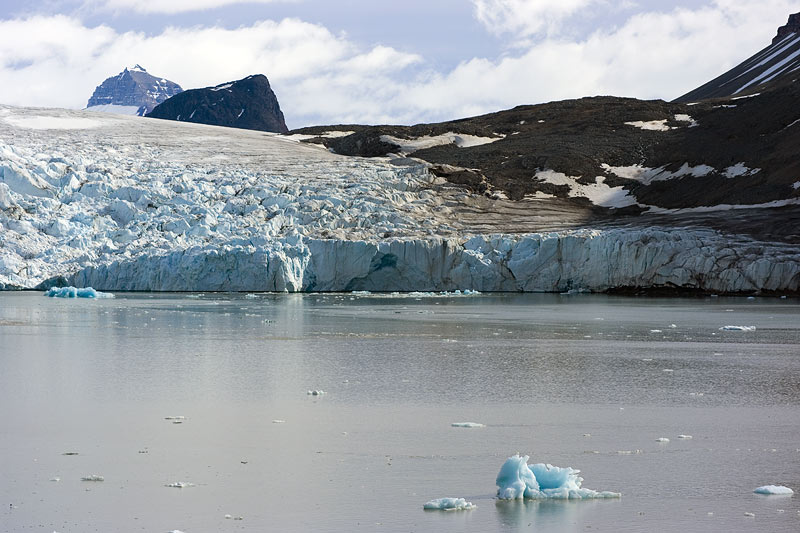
{"x":249,"y":104}
{"x":132,"y":92}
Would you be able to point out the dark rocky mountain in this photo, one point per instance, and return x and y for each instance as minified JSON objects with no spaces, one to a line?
{"x":249,"y":104}
{"x":621,"y":159}
{"x":132,"y":91}
{"x":773,"y":65}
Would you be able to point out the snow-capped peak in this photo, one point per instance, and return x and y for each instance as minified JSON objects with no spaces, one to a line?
{"x":137,"y":67}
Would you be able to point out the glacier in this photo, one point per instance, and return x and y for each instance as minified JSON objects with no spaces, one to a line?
{"x":518,"y":480}
{"x":132,"y":204}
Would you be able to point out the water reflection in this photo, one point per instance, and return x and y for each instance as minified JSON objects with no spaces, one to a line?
{"x":546,"y":515}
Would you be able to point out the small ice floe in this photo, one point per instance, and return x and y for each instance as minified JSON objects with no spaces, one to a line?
{"x":737,"y":328}
{"x":751,"y":515}
{"x":55,"y":479}
{"x":517,"y":480}
{"x":467,"y":425}
{"x":673,"y":326}
{"x":316,"y":392}
{"x":656,"y":331}
{"x":774,"y":490}
{"x":667,"y":370}
{"x":276,"y":421}
{"x":251,"y":296}
{"x":684,"y":437}
{"x":179,"y":485}
{"x":70,"y":453}
{"x":174,"y":418}
{"x":629,"y":452}
{"x":662,"y":439}
{"x":93,"y":477}
{"x":74,"y":292}
{"x":449,"y":504}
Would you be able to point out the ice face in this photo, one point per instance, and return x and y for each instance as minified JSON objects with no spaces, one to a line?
{"x":74,"y":292}
{"x":517,"y":480}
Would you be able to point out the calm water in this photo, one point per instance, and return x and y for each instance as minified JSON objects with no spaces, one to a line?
{"x":584,"y":381}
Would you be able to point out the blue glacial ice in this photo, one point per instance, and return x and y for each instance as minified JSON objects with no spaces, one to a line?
{"x":774,"y":490}
{"x":74,"y":292}
{"x":517,"y":480}
{"x":449,"y":504}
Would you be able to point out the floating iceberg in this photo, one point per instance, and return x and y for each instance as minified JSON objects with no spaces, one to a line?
{"x":179,"y":485}
{"x":737,"y":328}
{"x":518,"y":480}
{"x":74,"y":292}
{"x":93,"y":477}
{"x":467,"y":425}
{"x":774,"y":490}
{"x":449,"y":504}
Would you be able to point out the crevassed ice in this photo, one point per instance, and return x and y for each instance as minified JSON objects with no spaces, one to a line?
{"x":517,"y":480}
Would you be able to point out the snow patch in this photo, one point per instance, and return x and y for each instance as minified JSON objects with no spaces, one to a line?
{"x":52,"y":123}
{"x":408,"y":146}
{"x":517,"y":480}
{"x":740,"y":169}
{"x":598,"y":193}
{"x":651,"y":125}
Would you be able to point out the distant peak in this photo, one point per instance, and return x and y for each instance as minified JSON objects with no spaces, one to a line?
{"x":793,"y":26}
{"x":138,"y":67}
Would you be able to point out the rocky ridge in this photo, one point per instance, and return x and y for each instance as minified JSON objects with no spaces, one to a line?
{"x":249,"y":103}
{"x":133,"y":91}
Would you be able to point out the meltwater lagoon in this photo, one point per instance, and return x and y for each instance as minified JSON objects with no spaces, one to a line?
{"x":194,"y":411}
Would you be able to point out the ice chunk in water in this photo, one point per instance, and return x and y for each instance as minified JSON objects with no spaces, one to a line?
{"x":93,"y":477}
{"x":467,"y":425}
{"x":737,"y":328}
{"x":518,"y":480}
{"x":449,"y":504}
{"x":773,"y":489}
{"x":74,"y":292}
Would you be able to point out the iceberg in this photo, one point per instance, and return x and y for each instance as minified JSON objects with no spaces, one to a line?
{"x":449,"y":504}
{"x":74,"y":292}
{"x":737,"y":328}
{"x":517,"y":480}
{"x":774,"y":490}
{"x":470,"y":425}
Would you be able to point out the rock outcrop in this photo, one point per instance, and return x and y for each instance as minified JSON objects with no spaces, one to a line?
{"x":132,"y":92}
{"x":793,"y":26}
{"x":249,"y":104}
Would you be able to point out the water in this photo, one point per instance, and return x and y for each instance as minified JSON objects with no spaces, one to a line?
{"x":584,"y":381}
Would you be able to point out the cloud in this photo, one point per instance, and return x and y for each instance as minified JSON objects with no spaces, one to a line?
{"x":171,"y":7}
{"x":526,"y":17}
{"x":322,"y":78}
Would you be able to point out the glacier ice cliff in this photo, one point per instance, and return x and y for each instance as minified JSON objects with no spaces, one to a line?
{"x":124,"y":203}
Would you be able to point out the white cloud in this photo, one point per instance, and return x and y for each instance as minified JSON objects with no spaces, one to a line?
{"x":323,"y":78}
{"x":526,"y":17}
{"x":171,"y":6}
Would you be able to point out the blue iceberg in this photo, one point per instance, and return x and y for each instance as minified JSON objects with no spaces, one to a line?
{"x":517,"y":480}
{"x":449,"y":504}
{"x":74,"y":292}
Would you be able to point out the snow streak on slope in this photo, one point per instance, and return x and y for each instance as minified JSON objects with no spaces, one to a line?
{"x":140,"y":204}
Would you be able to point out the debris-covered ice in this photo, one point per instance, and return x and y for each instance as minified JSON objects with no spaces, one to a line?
{"x":74,"y":292}
{"x":518,"y":480}
{"x":774,"y":490}
{"x":449,"y":504}
{"x":467,"y":425}
{"x":316,"y":392}
{"x":179,"y":485}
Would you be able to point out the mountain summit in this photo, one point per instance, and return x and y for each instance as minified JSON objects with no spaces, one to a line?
{"x":772,"y":66}
{"x":248,"y":104}
{"x":132,"y":92}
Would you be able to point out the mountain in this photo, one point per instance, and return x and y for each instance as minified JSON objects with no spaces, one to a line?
{"x":248,"y":104}
{"x":776,"y":64}
{"x":132,"y":92}
{"x":602,"y":159}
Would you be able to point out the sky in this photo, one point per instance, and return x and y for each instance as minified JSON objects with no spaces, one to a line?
{"x":377,"y":61}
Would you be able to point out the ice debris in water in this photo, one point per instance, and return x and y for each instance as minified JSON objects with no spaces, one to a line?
{"x":74,"y":292}
{"x":685,"y":437}
{"x":773,"y":490}
{"x":737,"y":328}
{"x":467,"y":425}
{"x":316,"y":392}
{"x":518,"y":480}
{"x":174,"y":418}
{"x":179,"y":485}
{"x":93,"y":477}
{"x":662,"y":439}
{"x":450,"y":504}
